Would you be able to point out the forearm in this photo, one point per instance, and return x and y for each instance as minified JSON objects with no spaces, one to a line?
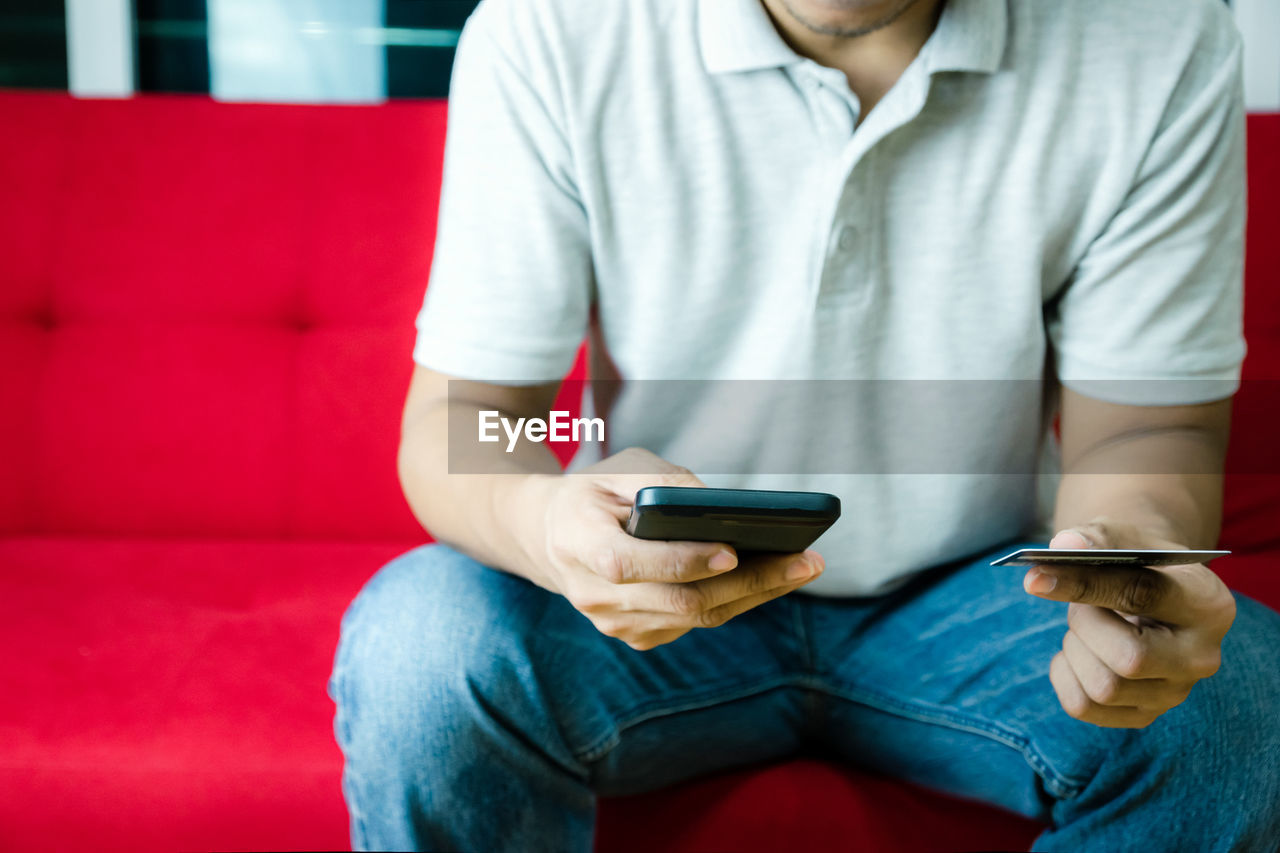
{"x":1181,"y":503}
{"x":495,"y":517}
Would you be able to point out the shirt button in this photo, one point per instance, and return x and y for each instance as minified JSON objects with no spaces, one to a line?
{"x":848,"y":238}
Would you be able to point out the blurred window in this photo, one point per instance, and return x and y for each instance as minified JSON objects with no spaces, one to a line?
{"x":355,"y":50}
{"x":173,"y":49}
{"x":420,"y":42}
{"x":266,"y":50}
{"x":33,"y":44}
{"x":314,"y":51}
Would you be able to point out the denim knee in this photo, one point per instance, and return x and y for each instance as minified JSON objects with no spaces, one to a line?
{"x":400,"y":653}
{"x":1229,"y":730}
{"x":432,"y":647}
{"x":446,"y":736}
{"x":1214,"y":758}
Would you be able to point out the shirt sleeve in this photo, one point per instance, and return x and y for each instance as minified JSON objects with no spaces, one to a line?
{"x":1153,"y":312}
{"x":511,"y":279}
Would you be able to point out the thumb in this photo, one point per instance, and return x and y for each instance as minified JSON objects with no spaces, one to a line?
{"x":1139,"y":591}
{"x":1040,"y":581}
{"x":627,"y":472}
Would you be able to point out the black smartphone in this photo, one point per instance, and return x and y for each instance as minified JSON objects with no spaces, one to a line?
{"x":748,"y":519}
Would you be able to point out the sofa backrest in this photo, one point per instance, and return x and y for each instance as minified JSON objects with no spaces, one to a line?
{"x":207,"y":314}
{"x":206,"y":317}
{"x":1252,"y":518}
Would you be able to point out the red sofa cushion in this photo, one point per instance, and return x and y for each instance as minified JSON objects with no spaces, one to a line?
{"x":206,"y":314}
{"x":804,"y":805}
{"x":1262,"y":260}
{"x":171,"y":695}
{"x":1252,"y":518}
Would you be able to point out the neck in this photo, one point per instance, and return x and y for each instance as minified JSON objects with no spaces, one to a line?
{"x":872,"y":47}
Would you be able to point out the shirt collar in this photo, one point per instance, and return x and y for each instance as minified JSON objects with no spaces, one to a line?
{"x":970,"y":36}
{"x":738,"y":35}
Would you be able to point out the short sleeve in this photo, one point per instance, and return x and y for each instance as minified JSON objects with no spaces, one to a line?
{"x":509,"y":292}
{"x":1153,"y":312}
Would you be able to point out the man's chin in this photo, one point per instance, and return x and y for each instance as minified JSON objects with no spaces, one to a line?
{"x":847,"y":18}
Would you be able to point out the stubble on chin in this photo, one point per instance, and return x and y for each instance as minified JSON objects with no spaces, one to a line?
{"x":861,"y":29}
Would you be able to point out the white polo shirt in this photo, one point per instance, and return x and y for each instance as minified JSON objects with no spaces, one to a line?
{"x":1049,"y":186}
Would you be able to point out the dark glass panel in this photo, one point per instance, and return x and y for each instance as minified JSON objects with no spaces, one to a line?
{"x":420,"y":67}
{"x":173,"y":45}
{"x":33,"y":44}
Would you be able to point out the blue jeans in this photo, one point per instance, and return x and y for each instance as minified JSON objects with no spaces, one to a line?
{"x":477,"y":711}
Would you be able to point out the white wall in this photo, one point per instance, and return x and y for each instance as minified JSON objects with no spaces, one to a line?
{"x":100,"y":60}
{"x":1259,"y":22}
{"x":296,"y":51}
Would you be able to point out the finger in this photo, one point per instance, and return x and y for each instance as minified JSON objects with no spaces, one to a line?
{"x":1074,"y":538}
{"x":1076,"y":702}
{"x":1140,"y":591}
{"x":690,"y":602}
{"x":1103,"y":533}
{"x":719,"y":615}
{"x":623,"y":559}
{"x":647,"y":640}
{"x":760,"y":574}
{"x":1124,"y":648}
{"x":633,"y":469}
{"x":1106,"y":687}
{"x":1103,"y":685}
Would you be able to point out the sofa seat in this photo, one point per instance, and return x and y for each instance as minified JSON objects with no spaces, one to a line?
{"x":170,"y":694}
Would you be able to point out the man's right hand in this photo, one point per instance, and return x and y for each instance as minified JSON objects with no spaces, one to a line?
{"x":646,"y":592}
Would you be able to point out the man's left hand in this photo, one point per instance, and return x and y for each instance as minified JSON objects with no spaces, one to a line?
{"x":1139,"y":639}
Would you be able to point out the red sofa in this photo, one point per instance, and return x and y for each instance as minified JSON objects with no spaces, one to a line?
{"x":205,"y":327}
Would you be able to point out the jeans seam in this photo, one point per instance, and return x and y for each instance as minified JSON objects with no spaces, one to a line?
{"x":653,"y":710}
{"x":342,"y":734}
{"x":802,"y":634}
{"x":1062,"y":786}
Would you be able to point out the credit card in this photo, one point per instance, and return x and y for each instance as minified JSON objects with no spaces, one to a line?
{"x":1104,"y":557}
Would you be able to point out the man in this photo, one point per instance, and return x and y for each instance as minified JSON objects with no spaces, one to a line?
{"x":848,"y":190}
